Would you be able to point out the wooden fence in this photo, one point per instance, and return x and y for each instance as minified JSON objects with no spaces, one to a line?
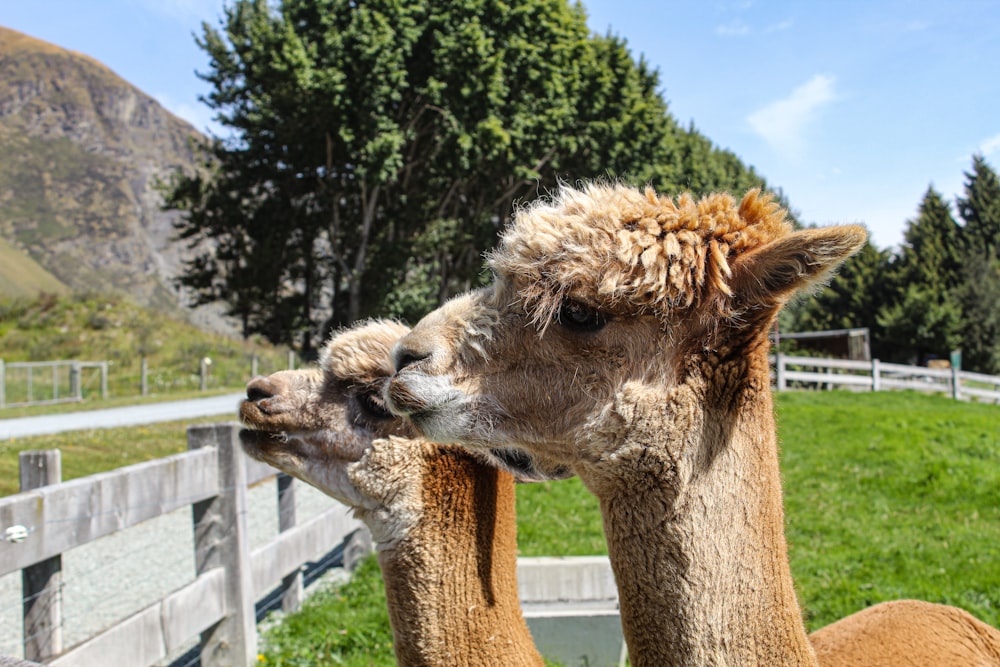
{"x":814,"y":372}
{"x":217,"y":608}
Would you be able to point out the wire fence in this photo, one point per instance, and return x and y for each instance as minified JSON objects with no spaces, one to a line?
{"x":26,"y":383}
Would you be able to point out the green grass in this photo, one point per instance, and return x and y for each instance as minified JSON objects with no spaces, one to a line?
{"x":894,"y":495}
{"x":345,"y":625}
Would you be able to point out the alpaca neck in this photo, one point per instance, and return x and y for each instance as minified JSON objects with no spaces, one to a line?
{"x":451,"y":582}
{"x":694,"y":527}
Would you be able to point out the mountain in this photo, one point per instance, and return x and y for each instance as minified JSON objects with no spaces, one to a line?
{"x":80,"y":153}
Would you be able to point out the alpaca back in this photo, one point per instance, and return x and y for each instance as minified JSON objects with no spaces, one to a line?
{"x":907,"y":633}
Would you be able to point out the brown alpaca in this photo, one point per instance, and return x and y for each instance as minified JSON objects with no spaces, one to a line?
{"x":907,"y":633}
{"x":625,"y":335}
{"x":442,"y":518}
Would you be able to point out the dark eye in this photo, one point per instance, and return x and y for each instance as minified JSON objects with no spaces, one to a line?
{"x":372,"y":406}
{"x":579,"y":317}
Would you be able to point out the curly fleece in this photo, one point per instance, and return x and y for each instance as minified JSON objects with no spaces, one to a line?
{"x":610,"y":245}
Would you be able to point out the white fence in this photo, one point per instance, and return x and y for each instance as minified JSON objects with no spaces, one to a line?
{"x":217,"y":608}
{"x":874,"y":375}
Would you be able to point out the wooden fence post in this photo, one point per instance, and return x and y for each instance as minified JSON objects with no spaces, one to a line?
{"x":221,"y":540}
{"x":144,"y":377}
{"x":779,"y":371}
{"x":876,"y":377}
{"x":956,"y":383}
{"x":291,"y":585}
{"x":41,"y":583}
{"x":75,"y":381}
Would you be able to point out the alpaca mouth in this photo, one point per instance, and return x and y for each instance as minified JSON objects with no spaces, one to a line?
{"x":264,"y":445}
{"x":524,"y":467}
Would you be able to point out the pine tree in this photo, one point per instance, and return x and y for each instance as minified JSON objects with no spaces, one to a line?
{"x":922,"y":318}
{"x":980,"y":209}
{"x":979,"y":298}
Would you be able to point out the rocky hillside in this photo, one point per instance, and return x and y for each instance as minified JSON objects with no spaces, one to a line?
{"x":80,"y":152}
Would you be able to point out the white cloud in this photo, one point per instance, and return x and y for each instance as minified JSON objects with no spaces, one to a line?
{"x":780,"y":26}
{"x":990,"y":146}
{"x":782,"y":123}
{"x":734,"y":28}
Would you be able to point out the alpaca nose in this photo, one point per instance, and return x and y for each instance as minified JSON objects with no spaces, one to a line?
{"x":260,"y":388}
{"x":404,"y":355}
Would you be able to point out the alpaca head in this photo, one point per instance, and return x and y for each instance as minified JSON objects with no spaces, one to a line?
{"x":605,"y":296}
{"x":315,"y":423}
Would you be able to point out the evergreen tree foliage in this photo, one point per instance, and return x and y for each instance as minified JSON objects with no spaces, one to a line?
{"x":979,"y":293}
{"x":979,"y":300}
{"x":980,"y":209}
{"x":920,"y":317}
{"x":378,"y":146}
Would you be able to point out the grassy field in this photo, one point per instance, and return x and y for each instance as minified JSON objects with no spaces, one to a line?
{"x":889,"y":495}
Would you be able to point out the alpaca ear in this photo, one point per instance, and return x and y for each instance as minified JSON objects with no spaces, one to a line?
{"x":770,"y":275}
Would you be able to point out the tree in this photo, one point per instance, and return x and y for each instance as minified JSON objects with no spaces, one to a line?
{"x":980,"y":209}
{"x":362,"y":130}
{"x":378,"y":146}
{"x":979,"y":299}
{"x":921,"y":317}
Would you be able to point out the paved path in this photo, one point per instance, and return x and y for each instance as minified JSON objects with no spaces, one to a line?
{"x":118,"y":417}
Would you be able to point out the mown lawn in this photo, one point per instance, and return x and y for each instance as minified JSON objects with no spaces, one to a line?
{"x":890,"y":495}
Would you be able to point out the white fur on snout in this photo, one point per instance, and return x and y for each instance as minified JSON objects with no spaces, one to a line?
{"x":440,"y":410}
{"x":447,"y":414}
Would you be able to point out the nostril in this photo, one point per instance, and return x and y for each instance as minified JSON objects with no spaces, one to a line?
{"x":258,"y":389}
{"x":403,"y":356}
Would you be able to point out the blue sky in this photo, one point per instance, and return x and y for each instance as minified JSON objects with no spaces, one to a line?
{"x":853,"y":108}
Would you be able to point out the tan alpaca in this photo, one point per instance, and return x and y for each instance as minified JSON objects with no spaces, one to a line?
{"x":442,"y":518}
{"x":907,"y":633}
{"x":625,"y":334}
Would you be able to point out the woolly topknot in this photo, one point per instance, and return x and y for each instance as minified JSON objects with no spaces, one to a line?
{"x":615,"y":246}
{"x":361,"y":354}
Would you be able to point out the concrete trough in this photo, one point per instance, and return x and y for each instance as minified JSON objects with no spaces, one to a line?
{"x":571,"y":606}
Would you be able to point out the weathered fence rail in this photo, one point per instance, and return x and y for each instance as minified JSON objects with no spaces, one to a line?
{"x":877,"y":376}
{"x":217,"y":608}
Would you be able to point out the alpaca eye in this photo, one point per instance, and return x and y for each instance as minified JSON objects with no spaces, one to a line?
{"x":578,"y":317}
{"x":372,"y":406}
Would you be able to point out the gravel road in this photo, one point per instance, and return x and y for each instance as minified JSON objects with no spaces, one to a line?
{"x":107,"y":580}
